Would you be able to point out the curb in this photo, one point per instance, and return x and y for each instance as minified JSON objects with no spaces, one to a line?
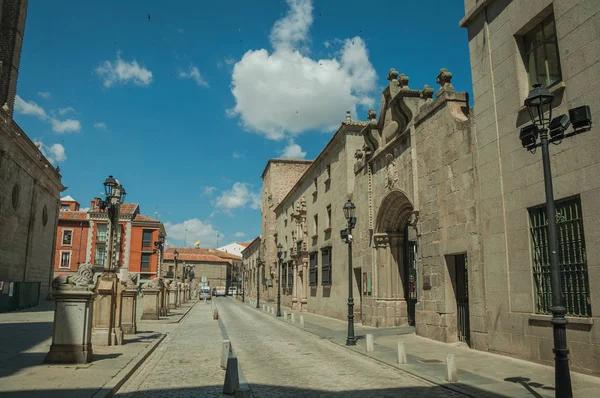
{"x":117,"y":381}
{"x":429,"y":379}
{"x":165,"y":322}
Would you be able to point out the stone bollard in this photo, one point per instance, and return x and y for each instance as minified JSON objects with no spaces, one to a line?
{"x":225,"y":350}
{"x":301,"y":320}
{"x":370,"y":345}
{"x":215,"y":314}
{"x":451,"y":371}
{"x":401,"y":353}
{"x":150,"y":309}
{"x":232,"y":380}
{"x":293,"y":318}
{"x":272,"y":310}
{"x":128,"y":310}
{"x":285,"y":315}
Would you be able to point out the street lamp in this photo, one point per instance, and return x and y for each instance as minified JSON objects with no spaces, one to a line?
{"x":243,"y":281}
{"x":280,"y":257}
{"x":115,"y":195}
{"x":175,"y":257}
{"x":346,"y":234}
{"x":258,"y":282}
{"x":159,"y":245}
{"x":539,"y":105}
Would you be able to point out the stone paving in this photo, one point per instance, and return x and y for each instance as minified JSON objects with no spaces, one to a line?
{"x":278,"y":360}
{"x":186,"y":364}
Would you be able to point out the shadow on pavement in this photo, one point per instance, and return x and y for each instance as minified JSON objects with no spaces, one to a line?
{"x":261,"y":390}
{"x":141,"y":339}
{"x":529,"y":385}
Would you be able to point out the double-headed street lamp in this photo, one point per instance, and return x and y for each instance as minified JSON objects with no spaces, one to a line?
{"x":279,"y":263}
{"x":175,"y":257}
{"x":258,"y":282}
{"x":539,"y":105}
{"x":349,"y":213}
{"x":115,"y":195}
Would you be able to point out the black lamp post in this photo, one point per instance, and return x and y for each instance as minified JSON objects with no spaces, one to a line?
{"x":159,"y":245}
{"x":349,"y":213}
{"x":258,"y":282}
{"x":539,"y":105}
{"x":243,"y":282}
{"x":175,"y":257}
{"x":115,"y":195}
{"x":280,"y":261}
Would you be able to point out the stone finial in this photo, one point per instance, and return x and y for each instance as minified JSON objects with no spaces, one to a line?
{"x":37,"y":144}
{"x":403,"y":80}
{"x":392,"y":75}
{"x":358,"y":154}
{"x":444,"y":79}
{"x":83,"y":278}
{"x":348,"y":117}
{"x":372,"y":115}
{"x":427,"y":92}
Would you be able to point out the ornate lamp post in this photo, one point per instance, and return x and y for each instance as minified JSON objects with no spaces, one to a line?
{"x":258,"y":282}
{"x":175,"y":257}
{"x":539,"y":105}
{"x":159,"y":245}
{"x":243,"y":282}
{"x":349,"y":213}
{"x":115,"y":195}
{"x":279,"y":263}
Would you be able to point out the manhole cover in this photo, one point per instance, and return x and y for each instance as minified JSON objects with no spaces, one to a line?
{"x":430,"y":361}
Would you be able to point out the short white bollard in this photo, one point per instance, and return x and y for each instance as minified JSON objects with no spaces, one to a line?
{"x":272,"y":310}
{"x":285,"y":315}
{"x":401,"y":354}
{"x":301,"y":321}
{"x":370,"y":346}
{"x":232,"y":380}
{"x":451,"y":371}
{"x":293,"y":318}
{"x":225,"y":350}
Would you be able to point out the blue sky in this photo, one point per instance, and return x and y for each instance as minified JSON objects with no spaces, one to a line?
{"x":186,"y":108}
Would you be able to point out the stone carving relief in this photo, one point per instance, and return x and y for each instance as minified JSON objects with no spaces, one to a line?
{"x":130,"y":280}
{"x":444,"y":79}
{"x":371,"y":133}
{"x":391,"y":171}
{"x":382,"y":240}
{"x":395,"y":115}
{"x":84,"y":278}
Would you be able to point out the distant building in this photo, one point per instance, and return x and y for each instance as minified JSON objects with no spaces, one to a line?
{"x":234,"y":248}
{"x":219,"y":268}
{"x":30,"y":185}
{"x":254,"y":275}
{"x":81,"y":237}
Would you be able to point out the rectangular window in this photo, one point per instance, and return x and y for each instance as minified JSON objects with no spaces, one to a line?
{"x":290,"y":275}
{"x":101,"y":233}
{"x":316,"y":184}
{"x":147,"y":239}
{"x":65,"y":259}
{"x":540,"y":53}
{"x":328,"y":172}
{"x":571,"y":253}
{"x":329,"y":216}
{"x":313,"y":271}
{"x":67,"y":238}
{"x":65,"y":207}
{"x":284,"y":275}
{"x":316,"y":224}
{"x":100,"y":254}
{"x":145,"y":262}
{"x":326,"y":266}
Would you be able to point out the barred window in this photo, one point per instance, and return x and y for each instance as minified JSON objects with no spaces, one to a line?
{"x":314,"y":277}
{"x":290,"y":275}
{"x":326,"y":266}
{"x":284,"y":275}
{"x":571,"y":253}
{"x":540,"y":52}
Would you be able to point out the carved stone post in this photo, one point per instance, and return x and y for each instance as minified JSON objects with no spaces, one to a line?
{"x":72,"y":329}
{"x":129,"y":304}
{"x":295,"y":286}
{"x":304,"y":299}
{"x":105,"y":319}
{"x":151,"y":300}
{"x":172,"y":295}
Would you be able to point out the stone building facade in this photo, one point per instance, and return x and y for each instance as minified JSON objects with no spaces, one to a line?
{"x":505,"y":38}
{"x":217,"y":266}
{"x":30,"y":185}
{"x":251,"y":267}
{"x":278,"y":178}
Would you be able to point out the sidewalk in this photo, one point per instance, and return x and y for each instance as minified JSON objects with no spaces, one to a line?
{"x":499,"y":375}
{"x":27,"y":336}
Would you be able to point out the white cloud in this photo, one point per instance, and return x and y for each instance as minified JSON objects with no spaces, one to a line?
{"x":180,"y":30}
{"x":326,"y":44}
{"x":239,"y":196}
{"x":237,"y":155}
{"x":66,"y":126}
{"x":192,"y":230}
{"x":84,"y":209}
{"x":29,"y":108}
{"x":54,"y":153}
{"x":284,"y":93}
{"x":293,"y":150}
{"x":45,"y":94}
{"x":240,"y":234}
{"x":209,"y":190}
{"x":124,"y":72}
{"x":64,"y":111}
{"x":100,"y":125}
{"x":195,"y":75}
{"x":227,"y":61}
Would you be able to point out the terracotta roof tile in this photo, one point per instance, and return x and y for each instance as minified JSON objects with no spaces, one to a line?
{"x":72,"y":215}
{"x":141,"y":217}
{"x":191,"y":252}
{"x":126,"y":208}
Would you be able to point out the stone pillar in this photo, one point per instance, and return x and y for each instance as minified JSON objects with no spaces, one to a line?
{"x":151,"y":303}
{"x":295,"y":286}
{"x":173,"y":295}
{"x":128,"y":310}
{"x":72,"y":329}
{"x":178,"y":297}
{"x":105,"y":319}
{"x":304,"y":299}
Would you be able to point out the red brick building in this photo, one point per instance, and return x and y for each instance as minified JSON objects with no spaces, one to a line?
{"x":82,"y":235}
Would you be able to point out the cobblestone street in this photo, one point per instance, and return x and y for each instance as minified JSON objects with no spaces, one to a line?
{"x":276,"y":359}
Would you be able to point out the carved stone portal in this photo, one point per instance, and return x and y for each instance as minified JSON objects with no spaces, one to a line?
{"x":391,"y":171}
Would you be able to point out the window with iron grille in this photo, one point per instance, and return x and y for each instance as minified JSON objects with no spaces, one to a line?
{"x":290,"y":275}
{"x":145,"y":262}
{"x":100,"y":254}
{"x":65,"y":259}
{"x":147,"y":239}
{"x":101,"y":233}
{"x":571,"y":254}
{"x":67,"y":237}
{"x":540,"y":53}
{"x":326,"y":266}
{"x":313,"y":270}
{"x":284,"y":275}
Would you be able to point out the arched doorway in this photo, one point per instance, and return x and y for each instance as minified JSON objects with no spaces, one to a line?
{"x":395,"y":258}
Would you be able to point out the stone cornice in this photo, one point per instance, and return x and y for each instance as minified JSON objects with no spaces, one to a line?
{"x":442,"y":98}
{"x":473,"y":12}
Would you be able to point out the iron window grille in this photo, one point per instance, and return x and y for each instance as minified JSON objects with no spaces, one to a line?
{"x":101,"y":231}
{"x":65,"y":260}
{"x":313,"y":270}
{"x":67,"y":237}
{"x":290,"y":276}
{"x":100,"y":255}
{"x":540,"y":52}
{"x":326,"y":266}
{"x":284,"y":275}
{"x":571,"y":253}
